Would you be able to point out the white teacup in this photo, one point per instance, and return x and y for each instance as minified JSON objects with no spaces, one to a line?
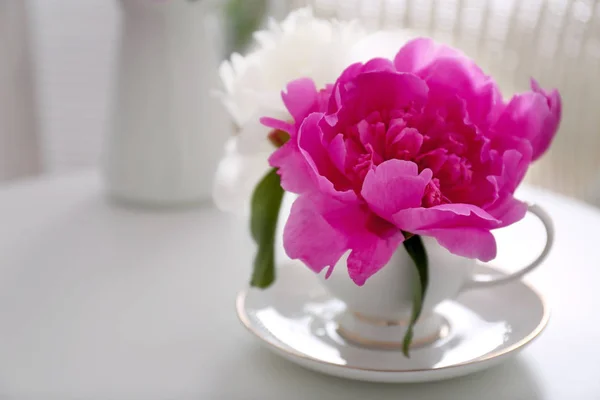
{"x":378,"y":313}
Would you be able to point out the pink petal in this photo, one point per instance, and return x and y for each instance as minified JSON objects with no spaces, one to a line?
{"x":327,"y":176}
{"x":320,"y":229}
{"x":309,"y":237}
{"x":508,"y":210}
{"x":371,"y":253}
{"x":466,"y":242}
{"x":516,"y":163}
{"x":373,"y":92}
{"x":434,"y":159}
{"x":444,"y":216}
{"x":528,"y":116}
{"x":347,"y":75}
{"x":296,"y":175}
{"x":352,"y":71}
{"x":461,"y":77}
{"x":420,"y":52}
{"x":278,"y":124}
{"x":482,"y":191}
{"x":337,"y":152}
{"x":387,"y":90}
{"x":300,"y":98}
{"x":378,"y":64}
{"x":449,"y":73}
{"x":552,"y":121}
{"x":394,"y":185}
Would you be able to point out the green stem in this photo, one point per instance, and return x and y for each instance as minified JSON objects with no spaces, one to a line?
{"x":265,"y":205}
{"x":416,"y":250}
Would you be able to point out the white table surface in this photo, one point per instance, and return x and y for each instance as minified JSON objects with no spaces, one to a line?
{"x":103,"y":302}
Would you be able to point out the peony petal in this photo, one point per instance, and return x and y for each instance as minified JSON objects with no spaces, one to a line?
{"x":370,"y":253}
{"x":296,"y":174}
{"x":516,"y":163}
{"x":320,"y":229}
{"x":347,"y":75}
{"x":350,"y":73}
{"x":300,"y":98}
{"x":449,"y":73}
{"x":378,"y":64}
{"x":227,"y":75}
{"x":337,"y":152}
{"x":466,"y":242}
{"x":278,"y":124}
{"x":528,"y":116}
{"x":448,"y":78}
{"x":551,"y":123}
{"x":394,"y":185}
{"x":419,"y":53}
{"x":389,"y":90}
{"x":309,"y":237}
{"x":376,"y":91}
{"x":328,"y":177}
{"x":508,"y":210}
{"x":287,"y":50}
{"x":444,"y":216}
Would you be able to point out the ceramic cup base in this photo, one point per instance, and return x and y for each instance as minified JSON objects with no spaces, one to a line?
{"x":387,"y":334}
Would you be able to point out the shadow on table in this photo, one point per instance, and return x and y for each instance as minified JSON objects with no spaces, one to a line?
{"x":512,"y":380}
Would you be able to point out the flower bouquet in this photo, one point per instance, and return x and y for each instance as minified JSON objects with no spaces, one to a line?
{"x":392,"y":147}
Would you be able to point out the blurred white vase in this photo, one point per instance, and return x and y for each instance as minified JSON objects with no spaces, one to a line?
{"x":167,"y":132}
{"x":19,"y":146}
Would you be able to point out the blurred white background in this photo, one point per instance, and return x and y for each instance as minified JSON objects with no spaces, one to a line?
{"x":74,"y":44}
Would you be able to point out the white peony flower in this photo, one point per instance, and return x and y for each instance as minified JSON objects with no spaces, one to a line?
{"x":300,"y":46}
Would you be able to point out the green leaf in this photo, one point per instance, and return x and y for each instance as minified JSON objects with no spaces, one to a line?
{"x":416,"y":250}
{"x":265,"y":205}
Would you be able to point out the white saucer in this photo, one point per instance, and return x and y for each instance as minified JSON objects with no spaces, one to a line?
{"x":294,"y":318}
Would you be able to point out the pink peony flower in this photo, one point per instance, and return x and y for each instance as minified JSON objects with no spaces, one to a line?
{"x":423,"y":144}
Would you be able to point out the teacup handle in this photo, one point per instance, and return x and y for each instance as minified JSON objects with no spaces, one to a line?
{"x":482,"y":281}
